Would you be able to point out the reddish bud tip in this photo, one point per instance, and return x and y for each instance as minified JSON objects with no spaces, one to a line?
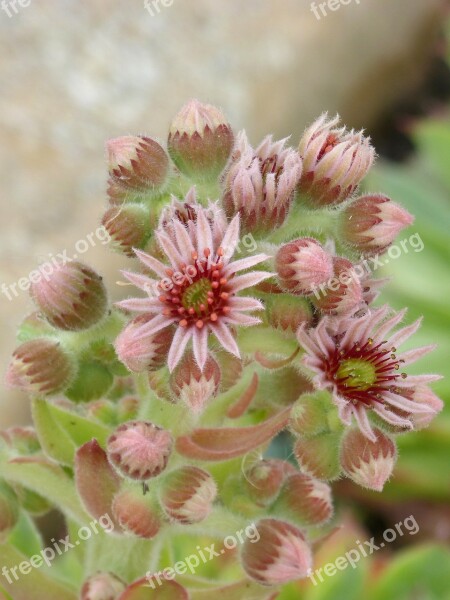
{"x":319,"y":456}
{"x":193,"y":386}
{"x":71,"y":296}
{"x":128,"y":226}
{"x":139,"y":449}
{"x":303,"y":265}
{"x":342,"y":293}
{"x":102,"y":586}
{"x":263,"y":481}
{"x":147,"y":353}
{"x":305,"y":500}
{"x":136,"y":514}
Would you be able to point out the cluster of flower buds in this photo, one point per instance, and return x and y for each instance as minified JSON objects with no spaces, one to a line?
{"x":251,"y":317}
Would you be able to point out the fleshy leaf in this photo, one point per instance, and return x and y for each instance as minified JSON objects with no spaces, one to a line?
{"x":142,"y":590}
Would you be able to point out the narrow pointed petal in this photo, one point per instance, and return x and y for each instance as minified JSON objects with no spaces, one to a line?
{"x":144,"y":305}
{"x":200,"y":346}
{"x":231,"y":237}
{"x":225,"y":338}
{"x":179,"y":343}
{"x":249,"y":280}
{"x":246,"y":263}
{"x":156,"y":324}
{"x":152,"y":263}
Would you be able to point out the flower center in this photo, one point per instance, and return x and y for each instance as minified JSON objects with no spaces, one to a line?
{"x":357,"y":373}
{"x":331,"y":141}
{"x":196,"y":295}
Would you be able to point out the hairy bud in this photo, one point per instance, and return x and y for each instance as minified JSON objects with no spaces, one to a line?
{"x":129,"y":227}
{"x":136,"y":514}
{"x":102,"y":586}
{"x":193,"y":386}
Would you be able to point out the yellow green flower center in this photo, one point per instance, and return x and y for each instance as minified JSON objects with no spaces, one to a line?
{"x":196,"y":295}
{"x":356,"y":373}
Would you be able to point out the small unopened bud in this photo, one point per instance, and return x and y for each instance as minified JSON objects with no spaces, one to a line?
{"x":200,"y":140}
{"x":139,"y":450}
{"x":9,"y":510}
{"x":286,"y":312}
{"x":193,"y":386}
{"x":334,"y":161}
{"x":137,"y":163}
{"x":309,"y":414}
{"x":319,"y":456}
{"x":34,"y":325}
{"x":371,"y":223}
{"x":23,"y":440}
{"x":93,"y":381}
{"x":305,"y":500}
{"x":102,"y":586}
{"x":424,"y":396}
{"x":41,"y":366}
{"x":187,"y":494}
{"x":367,"y":463}
{"x":147,"y":353}
{"x":71,"y":296}
{"x":136,"y":514}
{"x":303,"y":265}
{"x":342,"y":293}
{"x":129,"y":227}
{"x":231,"y":369}
{"x":263,"y":481}
{"x":281,"y":554}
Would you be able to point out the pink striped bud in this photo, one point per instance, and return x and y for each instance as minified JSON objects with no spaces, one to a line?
{"x":136,"y":514}
{"x":318,"y":456}
{"x":147,"y":353}
{"x":200,"y":140}
{"x":367,"y":463}
{"x":102,"y":586}
{"x":263,"y":481}
{"x":342,"y":293}
{"x":309,"y":414}
{"x":23,"y":440}
{"x":286,"y":312}
{"x":303,"y":265}
{"x":128,"y":226}
{"x":41,"y":366}
{"x":193,"y":386}
{"x":305,"y":500}
{"x":71,"y":296}
{"x":139,"y":450}
{"x":371,"y":223}
{"x":137,"y":164}
{"x":280,"y":555}
{"x":334,"y":161}
{"x":187,"y":494}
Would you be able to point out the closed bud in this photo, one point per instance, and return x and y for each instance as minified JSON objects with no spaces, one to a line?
{"x":34,"y":325}
{"x":309,"y":414}
{"x":342,"y":293}
{"x":139,"y":450}
{"x":192,"y":386}
{"x":367,"y":463}
{"x":231,"y":368}
{"x":187,"y":494}
{"x":319,"y":456}
{"x":286,"y":312}
{"x":22,"y":439}
{"x":260,"y":184}
{"x":71,"y":296}
{"x":280,"y":555}
{"x":128,"y":226}
{"x":263,"y":481}
{"x":371,"y":223}
{"x":102,"y":586}
{"x":41,"y":366}
{"x":423,"y":395}
{"x":93,"y":381}
{"x":303,"y":265}
{"x":136,"y":513}
{"x":147,"y":353}
{"x":137,"y":164}
{"x":305,"y":500}
{"x":200,"y":140}
{"x":9,"y":510}
{"x":334,"y":161}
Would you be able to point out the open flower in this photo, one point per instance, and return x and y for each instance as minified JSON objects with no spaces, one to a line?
{"x":198,"y":291}
{"x":355,"y":358}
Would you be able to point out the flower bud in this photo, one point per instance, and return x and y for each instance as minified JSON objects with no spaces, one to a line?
{"x":286,"y":312}
{"x":139,"y":450}
{"x":260,"y":184}
{"x":319,"y":456}
{"x":342,"y":293}
{"x":41,"y":366}
{"x":423,"y":395}
{"x":303,"y":265}
{"x":72,"y":296}
{"x":136,"y":514}
{"x":9,"y":510}
{"x":93,"y":381}
{"x":200,"y":140}
{"x":280,"y":555}
{"x":371,"y":223}
{"x":367,"y":463}
{"x":187,"y":494}
{"x":334,"y":161}
{"x":129,"y":227}
{"x":147,"y":353}
{"x":263,"y":481}
{"x":23,"y":440}
{"x":192,"y":386}
{"x":231,"y":368}
{"x":137,"y":164}
{"x":34,"y":325}
{"x":102,"y":586}
{"x":305,"y":500}
{"x":309,"y":414}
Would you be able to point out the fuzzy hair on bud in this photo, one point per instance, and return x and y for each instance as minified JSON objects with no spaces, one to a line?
{"x":102,"y":586}
{"x":318,"y":456}
{"x":309,"y":414}
{"x":263,"y":481}
{"x":286,"y":312}
{"x":136,"y":514}
{"x":128,"y":226}
{"x":305,"y":500}
{"x":342,"y":293}
{"x":192,"y":386}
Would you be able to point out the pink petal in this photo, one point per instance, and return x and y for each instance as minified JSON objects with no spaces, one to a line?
{"x":391,"y":417}
{"x":200,"y":346}
{"x":145,"y":305}
{"x":183,"y":239}
{"x":246,"y":263}
{"x":399,"y":337}
{"x":156,"y":324}
{"x":245,"y":303}
{"x":241,"y":319}
{"x":171,"y":251}
{"x":414,"y":380}
{"x":178,"y":346}
{"x":204,"y":234}
{"x":250,"y":279}
{"x":225,"y":338}
{"x":152,"y":263}
{"x":411,"y":356}
{"x":386,"y":327}
{"x":231,"y":237}
{"x":141,"y":281}
{"x":363,"y":422}
{"x":408,"y":406}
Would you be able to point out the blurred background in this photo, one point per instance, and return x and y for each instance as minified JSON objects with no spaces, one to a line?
{"x":75,"y":73}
